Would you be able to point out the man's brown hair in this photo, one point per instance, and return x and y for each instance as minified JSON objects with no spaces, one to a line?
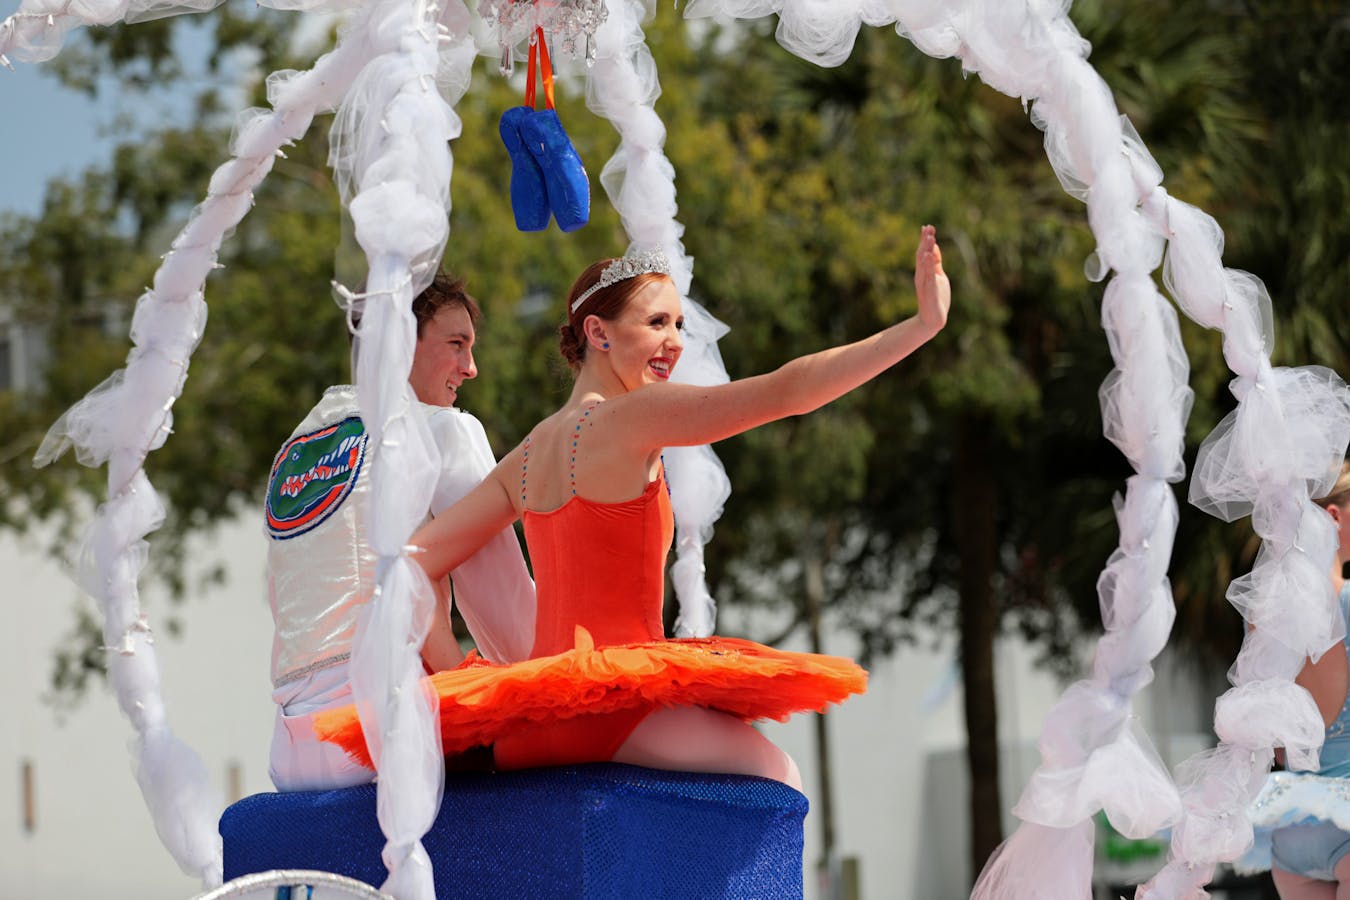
{"x":444,"y":290}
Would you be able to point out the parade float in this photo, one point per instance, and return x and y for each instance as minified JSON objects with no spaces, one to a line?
{"x":393,"y":77}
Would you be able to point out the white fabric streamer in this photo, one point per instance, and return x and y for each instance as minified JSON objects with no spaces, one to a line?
{"x":1005,"y":875}
{"x":699,"y":483}
{"x":1272,"y":713}
{"x":129,"y":415}
{"x":391,"y":155}
{"x":183,"y":805}
{"x":1140,"y":403}
{"x":1094,"y":756}
{"x":1284,"y":443}
{"x":36,"y":31}
{"x":1288,"y":424}
{"x":401,"y":171}
{"x":640,"y":181}
{"x":398,"y":714}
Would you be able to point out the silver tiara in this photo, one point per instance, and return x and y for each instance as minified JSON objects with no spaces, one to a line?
{"x":625,"y":267}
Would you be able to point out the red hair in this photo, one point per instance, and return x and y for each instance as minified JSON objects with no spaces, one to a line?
{"x":606,"y":303}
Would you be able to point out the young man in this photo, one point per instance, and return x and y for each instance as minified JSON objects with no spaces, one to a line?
{"x":320,"y":569}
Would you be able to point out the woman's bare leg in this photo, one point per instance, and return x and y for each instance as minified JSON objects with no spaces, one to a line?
{"x":1342,"y":873}
{"x":1301,"y":887}
{"x":693,"y":739}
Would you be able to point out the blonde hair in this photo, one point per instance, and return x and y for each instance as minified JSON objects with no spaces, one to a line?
{"x":1340,"y":491}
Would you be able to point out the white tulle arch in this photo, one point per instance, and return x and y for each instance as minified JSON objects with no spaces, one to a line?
{"x":1284,"y":441}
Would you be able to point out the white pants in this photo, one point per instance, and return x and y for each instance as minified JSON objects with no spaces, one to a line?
{"x":300,"y":761}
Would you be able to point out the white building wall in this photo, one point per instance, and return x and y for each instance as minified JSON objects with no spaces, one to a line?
{"x":93,"y":836}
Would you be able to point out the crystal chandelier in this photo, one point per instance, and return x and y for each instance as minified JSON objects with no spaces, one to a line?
{"x":573,"y":23}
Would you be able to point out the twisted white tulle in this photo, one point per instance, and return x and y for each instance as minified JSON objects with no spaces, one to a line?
{"x":183,"y":804}
{"x":129,"y":415}
{"x":1285,"y":440}
{"x":1283,"y":444}
{"x":390,"y":154}
{"x":36,"y":30}
{"x":622,"y":86}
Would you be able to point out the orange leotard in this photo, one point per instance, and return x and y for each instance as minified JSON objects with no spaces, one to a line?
{"x":593,"y":567}
{"x":587,"y":550}
{"x":600,"y":661}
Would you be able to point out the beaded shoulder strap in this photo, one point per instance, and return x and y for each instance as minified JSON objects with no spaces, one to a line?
{"x":524,"y":465}
{"x":571,"y":461}
{"x":576,"y":436}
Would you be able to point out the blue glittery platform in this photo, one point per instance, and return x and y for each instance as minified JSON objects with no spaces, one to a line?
{"x":596,"y":831}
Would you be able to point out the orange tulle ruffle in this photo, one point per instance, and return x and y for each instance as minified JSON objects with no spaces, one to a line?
{"x":482,"y":701}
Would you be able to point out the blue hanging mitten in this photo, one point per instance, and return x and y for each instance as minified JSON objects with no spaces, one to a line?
{"x":529,"y":197}
{"x":569,"y":190}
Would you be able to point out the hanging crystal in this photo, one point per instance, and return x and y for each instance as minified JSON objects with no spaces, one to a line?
{"x":508,"y":61}
{"x":571,"y":23}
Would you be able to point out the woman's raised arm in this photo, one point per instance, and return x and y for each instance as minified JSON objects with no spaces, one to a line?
{"x":665,"y":415}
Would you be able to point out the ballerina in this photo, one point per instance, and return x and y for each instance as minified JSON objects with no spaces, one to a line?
{"x":602,"y":682}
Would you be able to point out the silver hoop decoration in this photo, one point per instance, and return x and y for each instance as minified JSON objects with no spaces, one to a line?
{"x":270,"y":884}
{"x":625,"y":267}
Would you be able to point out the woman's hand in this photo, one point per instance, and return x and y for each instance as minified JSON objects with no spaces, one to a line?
{"x":930,"y":282}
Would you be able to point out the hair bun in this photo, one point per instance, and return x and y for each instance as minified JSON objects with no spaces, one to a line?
{"x":570,"y":345}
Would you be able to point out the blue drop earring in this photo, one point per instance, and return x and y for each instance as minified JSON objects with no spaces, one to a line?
{"x":605,"y":345}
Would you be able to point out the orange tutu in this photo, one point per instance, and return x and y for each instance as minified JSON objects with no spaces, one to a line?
{"x":482,"y":701}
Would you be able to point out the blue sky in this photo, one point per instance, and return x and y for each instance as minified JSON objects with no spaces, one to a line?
{"x":53,"y":132}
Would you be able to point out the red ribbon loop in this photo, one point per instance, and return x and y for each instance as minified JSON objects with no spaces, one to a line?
{"x":539,"y":58}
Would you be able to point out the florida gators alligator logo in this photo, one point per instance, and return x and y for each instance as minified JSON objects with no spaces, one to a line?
{"x":313,"y":474}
